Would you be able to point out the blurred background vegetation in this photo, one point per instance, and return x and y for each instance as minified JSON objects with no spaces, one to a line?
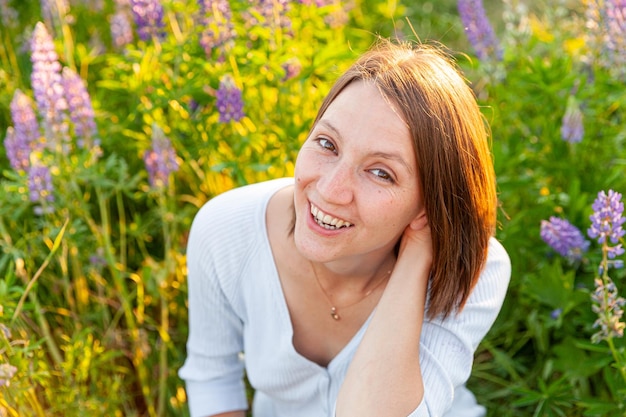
{"x":93,"y":295}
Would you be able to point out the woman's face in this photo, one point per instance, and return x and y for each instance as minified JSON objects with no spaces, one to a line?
{"x":356,"y":179}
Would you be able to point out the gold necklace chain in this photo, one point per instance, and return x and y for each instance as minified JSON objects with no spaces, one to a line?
{"x":333,"y":309}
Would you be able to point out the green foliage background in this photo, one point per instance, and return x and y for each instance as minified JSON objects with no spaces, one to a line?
{"x":106,"y":337}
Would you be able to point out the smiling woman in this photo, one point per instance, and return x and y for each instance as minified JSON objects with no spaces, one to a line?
{"x":387,"y":225}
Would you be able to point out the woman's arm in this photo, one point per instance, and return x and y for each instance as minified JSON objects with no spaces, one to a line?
{"x":384,"y":377}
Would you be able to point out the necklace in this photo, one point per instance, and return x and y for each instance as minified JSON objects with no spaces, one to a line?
{"x":334,"y":313}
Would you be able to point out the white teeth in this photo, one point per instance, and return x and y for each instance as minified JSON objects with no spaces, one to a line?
{"x":327,"y":221}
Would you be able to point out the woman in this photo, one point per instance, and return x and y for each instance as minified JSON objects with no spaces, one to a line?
{"x":363,"y":285}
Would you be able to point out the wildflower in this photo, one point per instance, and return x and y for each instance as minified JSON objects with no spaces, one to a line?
{"x":607,"y":221}
{"x":292,"y":69}
{"x":606,"y":226}
{"x":609,"y":308}
{"x":606,"y":32}
{"x":273,"y":14}
{"x":148,"y":18}
{"x":479,"y":31}
{"x":556,"y":313}
{"x":22,"y":138}
{"x":6,"y":373}
{"x":229,"y":100}
{"x":615,"y":21}
{"x":121,"y":30}
{"x":160,"y":160}
{"x":564,"y":238}
{"x":80,"y":108}
{"x":572,"y":129}
{"x":48,"y":88}
{"x":216,"y":18}
{"x":40,"y":188}
{"x":97,"y":259}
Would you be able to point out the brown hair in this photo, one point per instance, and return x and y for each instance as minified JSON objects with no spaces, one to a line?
{"x":453,"y":158}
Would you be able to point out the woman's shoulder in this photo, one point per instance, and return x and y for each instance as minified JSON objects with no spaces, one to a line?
{"x":238,"y":204}
{"x":235,"y":215}
{"x":497,"y":256}
{"x":496,"y":274}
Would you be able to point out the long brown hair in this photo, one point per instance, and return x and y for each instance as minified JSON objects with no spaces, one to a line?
{"x":454,"y":162}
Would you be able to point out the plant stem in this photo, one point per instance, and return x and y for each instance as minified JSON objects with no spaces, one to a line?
{"x":124,"y":297}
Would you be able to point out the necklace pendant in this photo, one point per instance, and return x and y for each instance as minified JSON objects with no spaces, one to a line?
{"x":334,"y":314}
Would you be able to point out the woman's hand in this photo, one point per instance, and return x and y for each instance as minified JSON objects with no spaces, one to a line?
{"x":416,"y":240}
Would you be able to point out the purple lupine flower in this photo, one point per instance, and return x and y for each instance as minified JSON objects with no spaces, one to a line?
{"x":572,"y":129}
{"x":97,"y":259}
{"x":23,"y":138}
{"x":615,"y":22}
{"x":121,"y":29}
{"x":48,"y":88}
{"x":6,"y":373}
{"x":273,"y":14}
{"x":479,"y":31}
{"x":216,"y":19}
{"x":229,"y":100}
{"x":160,"y":160}
{"x":565,"y":238}
{"x":148,"y":18}
{"x":608,"y":305}
{"x":80,"y":109}
{"x":292,"y":68}
{"x":556,"y":313}
{"x":40,"y":188}
{"x":606,"y":222}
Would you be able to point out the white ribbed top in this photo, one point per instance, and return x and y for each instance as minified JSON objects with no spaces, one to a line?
{"x":236,"y":305}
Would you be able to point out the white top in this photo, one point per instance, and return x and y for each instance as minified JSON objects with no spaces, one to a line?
{"x":236,"y":305}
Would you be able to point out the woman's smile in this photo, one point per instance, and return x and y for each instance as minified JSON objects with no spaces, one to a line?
{"x":327,"y":221}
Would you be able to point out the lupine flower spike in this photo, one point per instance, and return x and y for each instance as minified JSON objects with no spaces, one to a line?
{"x":479,"y":31}
{"x":121,"y":29}
{"x":572,"y":129}
{"x":565,"y":238}
{"x":23,"y":137}
{"x":160,"y":160}
{"x":216,"y":18}
{"x":80,"y":108}
{"x":607,"y":221}
{"x":229,"y":100}
{"x":48,"y":89}
{"x":148,"y":18}
{"x":606,"y":226}
{"x":6,"y":373}
{"x":41,"y":189}
{"x":616,"y":31}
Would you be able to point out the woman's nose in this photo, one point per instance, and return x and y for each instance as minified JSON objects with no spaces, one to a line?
{"x":336,"y":184}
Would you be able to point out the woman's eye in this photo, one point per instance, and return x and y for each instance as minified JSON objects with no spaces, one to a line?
{"x":326,"y":144}
{"x":382,"y":174}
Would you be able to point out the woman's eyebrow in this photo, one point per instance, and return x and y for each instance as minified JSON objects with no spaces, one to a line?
{"x":394,"y":157}
{"x":330,"y":126}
